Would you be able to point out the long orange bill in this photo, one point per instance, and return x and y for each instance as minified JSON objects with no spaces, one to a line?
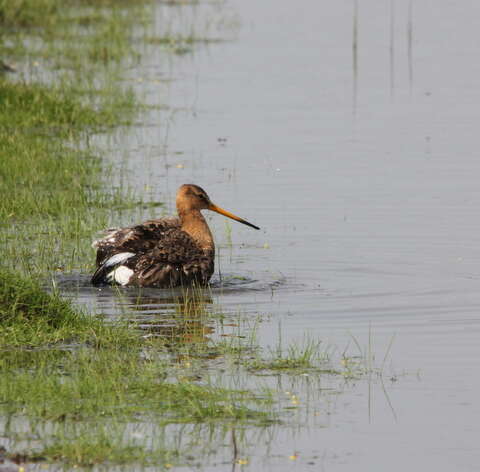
{"x":230,"y":215}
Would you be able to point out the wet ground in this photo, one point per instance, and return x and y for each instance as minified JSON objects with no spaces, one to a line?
{"x":348,"y":133}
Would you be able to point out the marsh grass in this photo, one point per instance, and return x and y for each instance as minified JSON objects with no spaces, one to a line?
{"x":80,"y":384}
{"x":306,"y":355}
{"x":99,"y":445}
{"x":31,"y":318}
{"x":43,"y":173}
{"x":71,"y":33}
{"x":81,"y":403}
{"x":238,"y":345}
{"x":53,"y":194}
{"x":89,"y":384}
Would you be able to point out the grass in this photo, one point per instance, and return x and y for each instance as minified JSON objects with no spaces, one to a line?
{"x":24,"y":13}
{"x":80,"y":394}
{"x":29,"y":318}
{"x":71,"y":33}
{"x":79,"y":383}
{"x":103,"y":447}
{"x":241,"y":348}
{"x":87,"y":385}
{"x":43,"y":173}
{"x":296,"y":357}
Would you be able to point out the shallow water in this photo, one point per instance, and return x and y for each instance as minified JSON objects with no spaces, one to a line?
{"x":362,"y":171}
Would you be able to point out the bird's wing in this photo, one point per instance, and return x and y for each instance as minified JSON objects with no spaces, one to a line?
{"x":137,"y":239}
{"x":175,"y":260}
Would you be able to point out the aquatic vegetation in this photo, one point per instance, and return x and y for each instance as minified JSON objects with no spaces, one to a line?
{"x":63,"y":370}
{"x":105,"y":31}
{"x":100,"y":445}
{"x":61,"y":396}
{"x":306,"y":355}
{"x":86,"y":383}
{"x":31,"y":318}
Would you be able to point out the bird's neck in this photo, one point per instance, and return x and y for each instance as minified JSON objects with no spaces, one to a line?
{"x":194,"y":224}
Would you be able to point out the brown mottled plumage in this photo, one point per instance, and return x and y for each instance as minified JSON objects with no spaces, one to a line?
{"x":167,"y":252}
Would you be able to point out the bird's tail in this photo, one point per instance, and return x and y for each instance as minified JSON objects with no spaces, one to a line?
{"x":112,"y":271}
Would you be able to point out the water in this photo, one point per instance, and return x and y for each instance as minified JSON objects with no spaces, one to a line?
{"x":350,"y":137}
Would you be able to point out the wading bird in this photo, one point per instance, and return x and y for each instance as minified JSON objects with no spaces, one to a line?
{"x":166,"y":252}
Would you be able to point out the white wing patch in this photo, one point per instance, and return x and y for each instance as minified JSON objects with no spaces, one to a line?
{"x":118,"y":258}
{"x":121,"y":275}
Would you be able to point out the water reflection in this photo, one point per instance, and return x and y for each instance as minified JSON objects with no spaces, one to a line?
{"x":410,"y":44}
{"x":355,"y":55}
{"x":187,"y":321}
{"x":181,"y":316}
{"x":153,"y":305}
{"x":392,"y":48}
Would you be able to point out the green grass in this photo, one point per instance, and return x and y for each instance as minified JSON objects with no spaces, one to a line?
{"x":306,"y":355}
{"x":79,"y":400}
{"x":63,"y":110}
{"x":89,"y":384}
{"x":50,"y":13}
{"x":43,"y":174}
{"x":71,"y":33}
{"x":24,"y":13}
{"x":78,"y":383}
{"x":104,"y":446}
{"x":30,"y":317}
